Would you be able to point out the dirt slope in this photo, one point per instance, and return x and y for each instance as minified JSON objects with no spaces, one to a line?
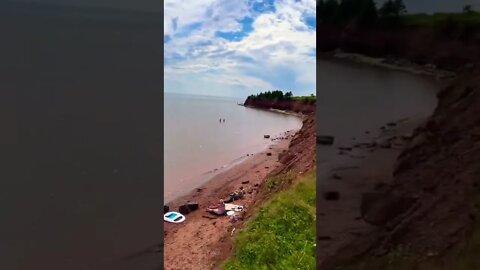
{"x":436,"y":184}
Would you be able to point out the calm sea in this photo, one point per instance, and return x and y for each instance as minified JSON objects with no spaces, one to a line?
{"x":354,"y":99}
{"x":197,"y":143}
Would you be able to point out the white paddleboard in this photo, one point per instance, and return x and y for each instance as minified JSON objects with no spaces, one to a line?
{"x":173,"y":217}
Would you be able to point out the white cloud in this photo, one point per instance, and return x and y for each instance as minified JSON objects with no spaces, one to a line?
{"x":280,"y":41}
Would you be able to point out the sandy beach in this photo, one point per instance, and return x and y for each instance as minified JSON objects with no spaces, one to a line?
{"x":200,"y":242}
{"x":203,"y":243}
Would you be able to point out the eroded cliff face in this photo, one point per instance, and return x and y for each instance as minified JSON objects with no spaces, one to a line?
{"x":305,"y":107}
{"x":439,"y":172}
{"x":450,"y":51}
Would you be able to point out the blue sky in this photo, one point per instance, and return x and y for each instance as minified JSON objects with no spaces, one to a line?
{"x":239,"y":47}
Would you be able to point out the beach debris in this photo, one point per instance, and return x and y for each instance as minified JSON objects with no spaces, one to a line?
{"x":234,"y":196}
{"x":367,"y":132}
{"x":245,"y":182}
{"x":324,"y":139}
{"x":218,"y":209}
{"x":256,"y":185}
{"x":188,"y":208}
{"x":233,"y":230}
{"x":266,"y":136}
{"x":391,"y":124}
{"x":174,"y":217}
{"x":331,"y":195}
{"x":269,"y":154}
{"x":199,"y":189}
{"x":233,"y":219}
{"x":345,"y":148}
{"x":166,"y":208}
{"x":234,"y":207}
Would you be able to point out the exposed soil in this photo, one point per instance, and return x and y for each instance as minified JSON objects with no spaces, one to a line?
{"x":203,"y":243}
{"x":437,"y":173}
{"x":420,"y":45}
{"x":363,"y":165}
{"x":297,"y":106}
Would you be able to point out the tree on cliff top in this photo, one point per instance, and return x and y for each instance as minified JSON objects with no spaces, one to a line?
{"x":348,"y":12}
{"x":272,"y":95}
{"x":392,"y":9}
{"x":357,"y":12}
{"x":327,"y":11}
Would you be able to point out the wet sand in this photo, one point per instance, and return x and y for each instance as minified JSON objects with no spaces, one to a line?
{"x":351,"y":173}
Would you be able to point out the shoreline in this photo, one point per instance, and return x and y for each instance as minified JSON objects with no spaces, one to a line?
{"x":396,"y":64}
{"x":366,"y":166}
{"x":203,"y":243}
{"x":207,"y":176}
{"x":214,"y":173}
{"x":299,"y":115}
{"x":361,"y":166}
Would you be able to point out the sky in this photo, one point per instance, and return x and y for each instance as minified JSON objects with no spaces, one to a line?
{"x":236,"y":48}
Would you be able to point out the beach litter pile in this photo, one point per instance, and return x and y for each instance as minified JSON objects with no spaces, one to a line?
{"x":225,"y":207}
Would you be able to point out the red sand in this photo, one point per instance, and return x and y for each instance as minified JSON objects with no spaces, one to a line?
{"x":199,"y":243}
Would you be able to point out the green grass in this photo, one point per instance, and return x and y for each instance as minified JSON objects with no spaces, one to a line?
{"x":274,"y":183}
{"x":441,"y":20}
{"x":305,"y":98}
{"x":282,"y":234}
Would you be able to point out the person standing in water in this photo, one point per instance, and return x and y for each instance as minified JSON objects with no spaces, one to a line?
{"x":223,"y":120}
{"x":220,"y":120}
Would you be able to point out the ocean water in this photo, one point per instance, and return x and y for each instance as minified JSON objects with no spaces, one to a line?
{"x":353,"y":99}
{"x":196,"y":143}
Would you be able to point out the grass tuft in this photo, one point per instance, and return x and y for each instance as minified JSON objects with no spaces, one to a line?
{"x":282,"y":234}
